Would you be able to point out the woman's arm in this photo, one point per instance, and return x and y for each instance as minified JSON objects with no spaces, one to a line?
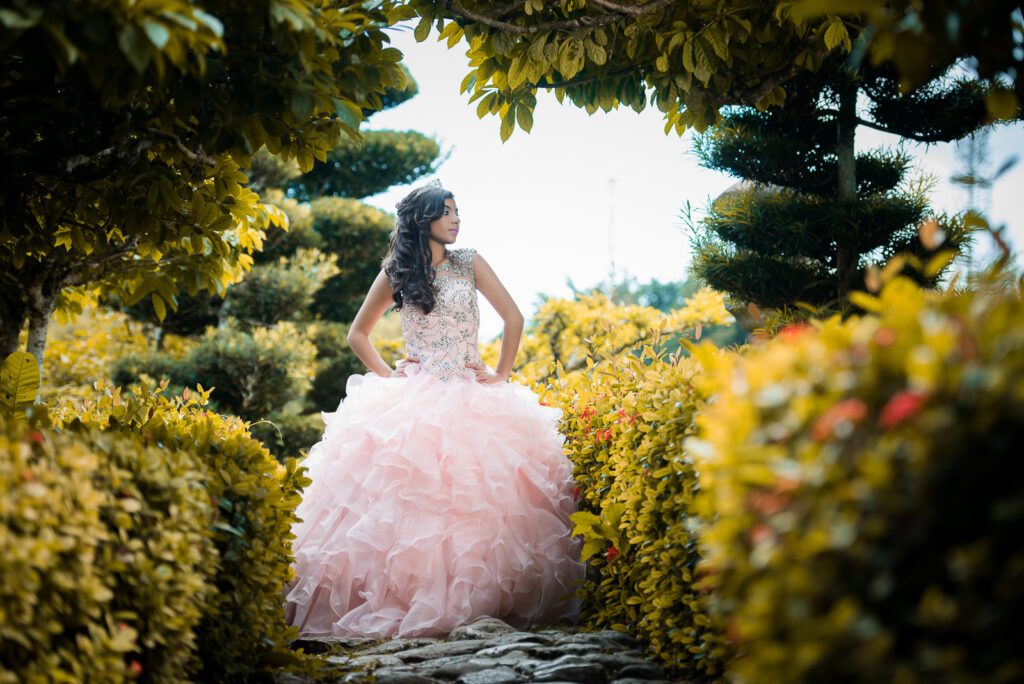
{"x":495,"y":293}
{"x":377,"y":301}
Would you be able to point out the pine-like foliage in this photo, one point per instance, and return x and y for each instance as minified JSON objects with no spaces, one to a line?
{"x":787,"y":233}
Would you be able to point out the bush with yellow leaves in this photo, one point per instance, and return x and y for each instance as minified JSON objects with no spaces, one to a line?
{"x":860,"y":493}
{"x":242,"y":631}
{"x":625,"y":417}
{"x":106,"y":559}
{"x":625,"y":420}
{"x":566,"y":332}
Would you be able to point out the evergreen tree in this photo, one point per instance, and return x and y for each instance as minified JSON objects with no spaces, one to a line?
{"x":811,"y":215}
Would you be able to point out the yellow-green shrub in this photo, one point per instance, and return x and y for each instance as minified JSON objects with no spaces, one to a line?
{"x":566,"y":332}
{"x":625,"y":419}
{"x":105,"y":557}
{"x":861,"y":488}
{"x":253,"y":372}
{"x":242,"y":631}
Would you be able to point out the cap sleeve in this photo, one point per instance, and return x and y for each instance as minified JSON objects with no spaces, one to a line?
{"x":466,"y":256}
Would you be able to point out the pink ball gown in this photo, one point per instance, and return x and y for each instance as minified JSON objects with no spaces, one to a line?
{"x":435,"y":499}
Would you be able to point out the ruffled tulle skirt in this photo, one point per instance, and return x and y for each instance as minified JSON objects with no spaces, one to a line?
{"x":434,"y":503}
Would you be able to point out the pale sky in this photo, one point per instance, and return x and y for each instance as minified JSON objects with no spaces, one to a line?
{"x":580,"y":191}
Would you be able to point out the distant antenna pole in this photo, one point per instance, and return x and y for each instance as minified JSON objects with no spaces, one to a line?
{"x":611,"y":224}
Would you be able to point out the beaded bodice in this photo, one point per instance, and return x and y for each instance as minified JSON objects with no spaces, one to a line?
{"x":447,"y":338}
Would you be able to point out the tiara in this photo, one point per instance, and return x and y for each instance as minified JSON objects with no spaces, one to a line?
{"x":434,"y":184}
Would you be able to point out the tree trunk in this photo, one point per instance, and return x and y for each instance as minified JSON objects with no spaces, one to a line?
{"x":12,"y":319}
{"x":41,"y":302}
{"x":846,"y":240}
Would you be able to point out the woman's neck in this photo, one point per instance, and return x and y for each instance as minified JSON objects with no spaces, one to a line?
{"x":437,"y":253}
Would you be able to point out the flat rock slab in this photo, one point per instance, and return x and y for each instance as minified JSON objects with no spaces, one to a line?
{"x":641,"y":670}
{"x":518,"y":637}
{"x":395,"y":645}
{"x":570,"y":668}
{"x":484,"y":628}
{"x":558,"y":650}
{"x":330,"y":644}
{"x":502,"y":649}
{"x":620,"y":637}
{"x":404,"y":678}
{"x":496,"y":675}
{"x":454,"y":667}
{"x":373,"y":661}
{"x":441,"y":649}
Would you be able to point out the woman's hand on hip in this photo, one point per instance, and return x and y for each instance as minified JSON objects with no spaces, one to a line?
{"x":486,"y":376}
{"x":399,"y":371}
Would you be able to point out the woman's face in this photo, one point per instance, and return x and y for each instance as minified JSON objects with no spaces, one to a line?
{"x":446,"y":228}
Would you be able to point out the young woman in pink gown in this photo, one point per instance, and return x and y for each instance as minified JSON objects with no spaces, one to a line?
{"x":440,"y":493}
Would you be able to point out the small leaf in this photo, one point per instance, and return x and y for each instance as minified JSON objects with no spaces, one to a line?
{"x":157,"y":33}
{"x":135,"y":47}
{"x":525,"y":117}
{"x":422,"y":30}
{"x":837,"y":35}
{"x":508,"y":123}
{"x":158,"y":304}
{"x":302,"y":103}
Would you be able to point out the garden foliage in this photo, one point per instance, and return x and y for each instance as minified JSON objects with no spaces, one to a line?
{"x":106,"y":557}
{"x":625,"y":423}
{"x":837,"y":502}
{"x":861,"y":513}
{"x":565,"y":333}
{"x":171,"y":525}
{"x":812,"y":215}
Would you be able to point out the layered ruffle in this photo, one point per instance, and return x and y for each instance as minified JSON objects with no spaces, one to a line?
{"x":433,"y":503}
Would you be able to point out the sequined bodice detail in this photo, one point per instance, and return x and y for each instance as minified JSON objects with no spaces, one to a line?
{"x":447,"y":338}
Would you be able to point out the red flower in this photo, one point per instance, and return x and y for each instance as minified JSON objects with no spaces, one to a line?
{"x":899,"y":408}
{"x":766,"y":503}
{"x":576,"y":493}
{"x":794,"y":330}
{"x":135,"y":667}
{"x":761,"y":533}
{"x":883,"y":337}
{"x":734,"y":634}
{"x":612,"y":553}
{"x":28,"y":476}
{"x":34,"y":436}
{"x":852,"y":410}
{"x":543,"y":403}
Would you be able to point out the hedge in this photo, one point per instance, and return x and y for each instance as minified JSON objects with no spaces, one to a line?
{"x":861,"y":497}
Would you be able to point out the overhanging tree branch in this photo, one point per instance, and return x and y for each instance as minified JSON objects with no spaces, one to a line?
{"x":581,"y":80}
{"x":198,"y":157}
{"x":565,"y":24}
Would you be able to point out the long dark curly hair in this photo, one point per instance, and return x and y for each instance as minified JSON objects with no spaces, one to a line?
{"x":407,"y":264}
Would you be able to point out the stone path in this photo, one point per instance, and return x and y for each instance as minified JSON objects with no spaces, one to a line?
{"x":487,"y":651}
